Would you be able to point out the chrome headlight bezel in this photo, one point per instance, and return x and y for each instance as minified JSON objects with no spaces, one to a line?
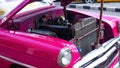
{"x":64,"y":55}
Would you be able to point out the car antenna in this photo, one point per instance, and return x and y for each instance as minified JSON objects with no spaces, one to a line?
{"x":99,"y":24}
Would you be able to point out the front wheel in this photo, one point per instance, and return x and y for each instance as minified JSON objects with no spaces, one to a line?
{"x":89,"y":1}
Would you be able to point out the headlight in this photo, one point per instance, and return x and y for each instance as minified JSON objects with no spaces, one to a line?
{"x":64,"y":57}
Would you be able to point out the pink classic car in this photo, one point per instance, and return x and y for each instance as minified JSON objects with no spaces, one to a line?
{"x":38,"y":34}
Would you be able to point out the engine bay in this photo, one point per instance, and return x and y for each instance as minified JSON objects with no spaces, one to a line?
{"x":52,"y":24}
{"x":61,"y":27}
{"x":49,"y":24}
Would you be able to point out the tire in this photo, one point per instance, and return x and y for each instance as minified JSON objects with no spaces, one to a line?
{"x":89,"y":1}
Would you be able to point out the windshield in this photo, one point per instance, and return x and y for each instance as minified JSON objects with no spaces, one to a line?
{"x":6,"y":6}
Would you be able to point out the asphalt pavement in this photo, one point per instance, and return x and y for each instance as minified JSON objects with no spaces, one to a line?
{"x":112,"y":7}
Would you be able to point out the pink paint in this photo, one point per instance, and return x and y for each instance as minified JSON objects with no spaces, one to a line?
{"x":19,"y":46}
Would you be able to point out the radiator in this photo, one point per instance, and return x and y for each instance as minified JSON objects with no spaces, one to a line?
{"x":85,"y":34}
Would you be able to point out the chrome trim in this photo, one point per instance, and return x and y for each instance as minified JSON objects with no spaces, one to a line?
{"x":17,"y":62}
{"x":98,"y":53}
{"x":102,"y":59}
{"x":60,"y":56}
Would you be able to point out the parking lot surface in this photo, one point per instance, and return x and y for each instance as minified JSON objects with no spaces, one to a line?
{"x":112,"y":7}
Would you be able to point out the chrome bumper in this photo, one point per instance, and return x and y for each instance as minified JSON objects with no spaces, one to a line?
{"x":101,"y":55}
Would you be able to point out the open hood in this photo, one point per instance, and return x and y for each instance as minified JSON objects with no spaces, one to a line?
{"x":8,"y":8}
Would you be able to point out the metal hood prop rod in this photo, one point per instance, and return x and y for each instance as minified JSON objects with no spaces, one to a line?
{"x":99,"y":24}
{"x":64,"y":3}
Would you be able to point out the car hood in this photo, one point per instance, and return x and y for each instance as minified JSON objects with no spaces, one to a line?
{"x":8,"y":8}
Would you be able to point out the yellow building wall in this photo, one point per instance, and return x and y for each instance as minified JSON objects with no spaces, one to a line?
{"x":77,"y":0}
{"x":100,"y":0}
{"x":108,"y":0}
